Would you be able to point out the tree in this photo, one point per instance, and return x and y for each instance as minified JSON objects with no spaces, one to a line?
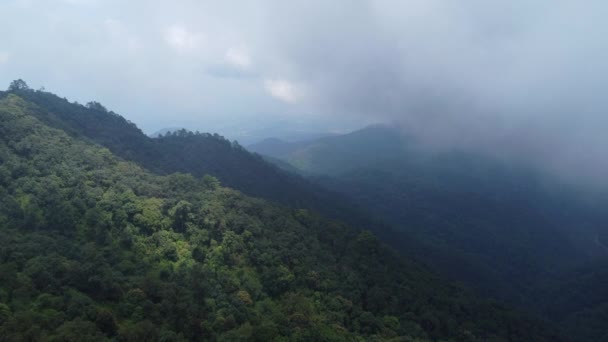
{"x":5,"y":313}
{"x":181,"y":214}
{"x":211,"y":182}
{"x":96,"y":106}
{"x":106,"y":322}
{"x":18,"y":85}
{"x":78,"y":330}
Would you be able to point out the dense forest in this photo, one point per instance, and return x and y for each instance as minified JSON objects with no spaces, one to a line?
{"x":505,"y":229}
{"x":188,"y":152}
{"x":95,"y":247}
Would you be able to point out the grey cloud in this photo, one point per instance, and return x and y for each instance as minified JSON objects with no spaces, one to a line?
{"x":519,"y":79}
{"x":516,"y":79}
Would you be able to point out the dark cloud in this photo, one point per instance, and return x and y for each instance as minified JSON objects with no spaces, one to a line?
{"x":517,"y":79}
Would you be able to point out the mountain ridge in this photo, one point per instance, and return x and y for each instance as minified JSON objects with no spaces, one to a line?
{"x":95,"y":247}
{"x":185,"y":151}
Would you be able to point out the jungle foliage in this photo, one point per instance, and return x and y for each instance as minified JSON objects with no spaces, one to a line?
{"x":95,"y":248}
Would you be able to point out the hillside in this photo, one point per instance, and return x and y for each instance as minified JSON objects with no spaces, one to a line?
{"x":189,"y":152}
{"x":276,"y":148}
{"x":94,"y":247}
{"x":506,"y":230}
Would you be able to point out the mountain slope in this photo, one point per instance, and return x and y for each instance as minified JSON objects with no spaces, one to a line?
{"x":95,"y":248}
{"x":578,"y":301}
{"x":276,"y":148}
{"x":503,"y":229}
{"x":188,"y":152}
{"x":199,"y":154}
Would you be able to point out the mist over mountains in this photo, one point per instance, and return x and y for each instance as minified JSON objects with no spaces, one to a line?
{"x":508,"y":230}
{"x":97,"y":247}
{"x":371,"y":170}
{"x":519,"y":80}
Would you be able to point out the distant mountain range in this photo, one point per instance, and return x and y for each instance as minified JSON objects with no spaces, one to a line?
{"x":289,"y":132}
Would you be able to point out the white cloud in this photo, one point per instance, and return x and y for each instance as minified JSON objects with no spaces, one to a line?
{"x":238,"y":57}
{"x":182,"y":40}
{"x":283,"y":90}
{"x":4,"y":57}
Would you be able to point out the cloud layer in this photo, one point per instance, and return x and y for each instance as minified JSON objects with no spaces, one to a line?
{"x":519,"y":79}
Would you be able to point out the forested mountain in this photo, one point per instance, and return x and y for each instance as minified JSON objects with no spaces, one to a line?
{"x":504,"y":229}
{"x":96,"y":248}
{"x":188,"y":152}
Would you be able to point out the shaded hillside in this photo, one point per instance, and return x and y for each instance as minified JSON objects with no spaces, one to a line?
{"x":503,"y":229}
{"x":276,"y":148}
{"x":94,"y":248}
{"x":578,"y":301}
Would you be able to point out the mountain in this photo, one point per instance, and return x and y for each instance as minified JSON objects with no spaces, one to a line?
{"x":256,"y":127}
{"x":505,"y":229}
{"x":276,"y":148}
{"x":335,"y":154}
{"x":188,"y":152}
{"x":97,"y":248}
{"x":200,"y":154}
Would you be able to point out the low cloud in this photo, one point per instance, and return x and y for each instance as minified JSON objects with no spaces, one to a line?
{"x":283,"y":90}
{"x":238,"y":57}
{"x":518,"y":80}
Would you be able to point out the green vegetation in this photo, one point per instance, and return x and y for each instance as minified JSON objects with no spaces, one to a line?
{"x":500,"y":228}
{"x":94,"y":248}
{"x":183,"y":151}
{"x":577,"y":300}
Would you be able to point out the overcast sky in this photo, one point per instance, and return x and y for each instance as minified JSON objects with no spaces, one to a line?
{"x":512,"y":77}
